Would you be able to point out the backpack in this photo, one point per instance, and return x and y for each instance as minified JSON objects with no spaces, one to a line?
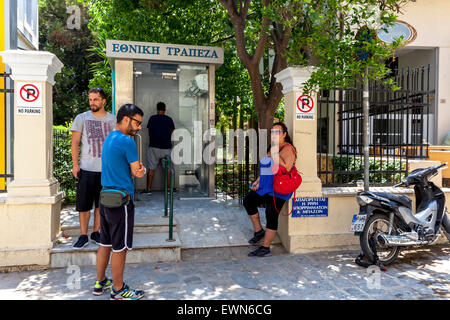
{"x":285,"y":182}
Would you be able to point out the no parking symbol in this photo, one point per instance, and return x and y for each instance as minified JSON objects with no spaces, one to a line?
{"x":305,"y":107}
{"x":29,"y":98}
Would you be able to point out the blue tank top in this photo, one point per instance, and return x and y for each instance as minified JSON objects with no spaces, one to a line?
{"x":266,"y":179}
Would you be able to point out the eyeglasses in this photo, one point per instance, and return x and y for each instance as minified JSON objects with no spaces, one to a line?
{"x":275,"y":131}
{"x":137,"y":121}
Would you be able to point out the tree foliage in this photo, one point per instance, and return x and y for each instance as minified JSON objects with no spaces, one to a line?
{"x":70,"y":92}
{"x":308,"y":32}
{"x":178,"y":22}
{"x":260,"y":37}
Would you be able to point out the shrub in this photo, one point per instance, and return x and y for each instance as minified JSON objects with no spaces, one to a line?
{"x":62,"y":162}
{"x":349,"y":170}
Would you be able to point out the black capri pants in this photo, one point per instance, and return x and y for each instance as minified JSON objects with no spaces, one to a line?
{"x":252,"y":200}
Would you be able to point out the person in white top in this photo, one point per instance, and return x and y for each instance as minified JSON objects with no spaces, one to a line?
{"x":90,"y":130}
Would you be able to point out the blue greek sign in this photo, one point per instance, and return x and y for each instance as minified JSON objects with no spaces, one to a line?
{"x":310,"y":207}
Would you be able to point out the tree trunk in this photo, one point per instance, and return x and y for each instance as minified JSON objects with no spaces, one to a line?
{"x":265,"y":120}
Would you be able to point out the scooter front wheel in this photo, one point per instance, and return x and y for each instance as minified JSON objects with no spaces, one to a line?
{"x":378,"y":223}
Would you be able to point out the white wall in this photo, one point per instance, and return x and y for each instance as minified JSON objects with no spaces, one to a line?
{"x":430,"y":18}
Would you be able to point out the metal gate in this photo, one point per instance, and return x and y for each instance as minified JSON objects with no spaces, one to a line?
{"x":399,"y":123}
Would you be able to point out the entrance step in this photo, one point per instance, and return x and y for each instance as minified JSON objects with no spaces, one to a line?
{"x":226,"y":251}
{"x":147,"y":248}
{"x":153,"y":224}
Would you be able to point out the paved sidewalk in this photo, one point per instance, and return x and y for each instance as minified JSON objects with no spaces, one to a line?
{"x":419,"y":274}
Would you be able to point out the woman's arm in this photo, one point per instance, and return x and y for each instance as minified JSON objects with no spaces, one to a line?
{"x":255,"y":185}
{"x":287,"y":158}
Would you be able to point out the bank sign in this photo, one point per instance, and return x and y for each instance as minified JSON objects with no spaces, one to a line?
{"x":163,"y":52}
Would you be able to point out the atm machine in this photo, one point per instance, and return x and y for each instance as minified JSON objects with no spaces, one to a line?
{"x":182,"y":77}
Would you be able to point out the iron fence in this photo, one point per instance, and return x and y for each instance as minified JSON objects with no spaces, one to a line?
{"x":5,"y":90}
{"x":399,"y":122}
{"x":233,"y":177}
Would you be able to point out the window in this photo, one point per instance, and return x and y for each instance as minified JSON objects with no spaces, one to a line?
{"x":27,"y":24}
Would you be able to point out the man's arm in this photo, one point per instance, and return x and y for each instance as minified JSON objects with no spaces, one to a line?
{"x":137,"y":169}
{"x":75,"y":149}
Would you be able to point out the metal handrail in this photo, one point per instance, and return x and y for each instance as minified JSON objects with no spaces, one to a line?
{"x":168,"y":199}
{"x":138,"y":142}
{"x":167,"y":165}
{"x":139,"y":147}
{"x":172,"y":181}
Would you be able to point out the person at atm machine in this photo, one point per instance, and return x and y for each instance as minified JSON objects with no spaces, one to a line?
{"x":160,"y":128}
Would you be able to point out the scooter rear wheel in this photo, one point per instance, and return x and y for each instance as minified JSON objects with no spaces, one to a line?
{"x":378,"y":223}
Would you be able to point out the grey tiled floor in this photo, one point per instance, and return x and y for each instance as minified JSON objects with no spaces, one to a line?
{"x":418,"y":274}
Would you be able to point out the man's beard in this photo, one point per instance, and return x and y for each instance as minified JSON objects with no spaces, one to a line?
{"x":131,"y":132}
{"x":95,"y":108}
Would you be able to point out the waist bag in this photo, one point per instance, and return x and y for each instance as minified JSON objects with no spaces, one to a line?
{"x":113,"y":198}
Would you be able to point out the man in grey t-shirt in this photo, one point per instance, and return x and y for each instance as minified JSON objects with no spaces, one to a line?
{"x":90,"y":129}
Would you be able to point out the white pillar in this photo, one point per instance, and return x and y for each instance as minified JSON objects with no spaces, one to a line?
{"x":304,"y":134}
{"x":29,"y":219}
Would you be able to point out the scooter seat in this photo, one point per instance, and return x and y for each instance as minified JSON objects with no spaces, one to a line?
{"x":403,"y":200}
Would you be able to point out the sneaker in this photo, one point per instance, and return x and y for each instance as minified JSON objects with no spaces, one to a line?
{"x":260,"y":252}
{"x":173,"y":190}
{"x":82,"y":242}
{"x":145,"y":191}
{"x":95,"y":237}
{"x":257,"y":237}
{"x":126,"y":294}
{"x":101,"y":287}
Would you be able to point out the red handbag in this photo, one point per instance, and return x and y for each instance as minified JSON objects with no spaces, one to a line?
{"x":285,"y":182}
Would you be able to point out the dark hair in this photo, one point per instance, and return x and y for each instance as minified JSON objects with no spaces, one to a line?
{"x":128,"y":110}
{"x":98,"y":90}
{"x":161,"y":106}
{"x":288,"y":138}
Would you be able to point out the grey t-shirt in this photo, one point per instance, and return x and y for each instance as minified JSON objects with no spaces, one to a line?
{"x":93,"y":133}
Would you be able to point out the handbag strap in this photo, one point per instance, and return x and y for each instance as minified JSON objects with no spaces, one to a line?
{"x":275,"y":205}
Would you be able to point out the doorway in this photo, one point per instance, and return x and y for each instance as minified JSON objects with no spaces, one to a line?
{"x":184,"y":89}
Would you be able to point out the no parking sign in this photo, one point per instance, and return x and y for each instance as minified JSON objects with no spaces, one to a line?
{"x":29,"y":98}
{"x":305,"y":107}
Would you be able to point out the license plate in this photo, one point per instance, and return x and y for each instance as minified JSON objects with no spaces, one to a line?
{"x":358,"y":223}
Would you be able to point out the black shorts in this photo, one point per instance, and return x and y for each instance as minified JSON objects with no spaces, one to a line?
{"x":116,"y":227}
{"x":89,"y":185}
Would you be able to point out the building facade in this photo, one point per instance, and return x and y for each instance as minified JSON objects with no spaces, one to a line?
{"x":430,"y":46}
